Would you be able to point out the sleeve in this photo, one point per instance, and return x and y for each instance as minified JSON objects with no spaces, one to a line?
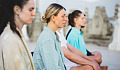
{"x":12,"y":58}
{"x":36,"y":57}
{"x":50,"y":55}
{"x":73,"y":42}
{"x":63,"y":40}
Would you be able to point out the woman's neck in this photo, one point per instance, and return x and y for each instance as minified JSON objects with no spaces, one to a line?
{"x":52,"y":26}
{"x":78,"y":27}
{"x":59,"y":29}
{"x":18,"y":24}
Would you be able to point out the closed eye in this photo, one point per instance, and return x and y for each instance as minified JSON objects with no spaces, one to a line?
{"x":31,"y":9}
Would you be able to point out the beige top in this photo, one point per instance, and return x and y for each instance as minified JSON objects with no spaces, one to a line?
{"x":14,"y":54}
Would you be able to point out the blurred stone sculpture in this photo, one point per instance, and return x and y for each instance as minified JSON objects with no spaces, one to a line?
{"x":24,"y":31}
{"x":36,"y":27}
{"x":116,"y":12}
{"x":98,"y":29}
{"x":100,"y":25}
{"x":115,"y":45}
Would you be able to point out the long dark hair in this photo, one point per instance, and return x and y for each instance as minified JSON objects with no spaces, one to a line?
{"x":71,"y":16}
{"x":7,"y":14}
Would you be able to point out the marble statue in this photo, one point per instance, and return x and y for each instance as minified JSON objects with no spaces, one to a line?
{"x":97,"y":23}
{"x":115,"y":45}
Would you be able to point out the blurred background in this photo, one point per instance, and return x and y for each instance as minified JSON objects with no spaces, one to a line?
{"x":101,"y":33}
{"x":100,"y":15}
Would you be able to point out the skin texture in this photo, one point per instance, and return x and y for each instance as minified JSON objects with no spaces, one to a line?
{"x":58,"y":21}
{"x":25,"y":15}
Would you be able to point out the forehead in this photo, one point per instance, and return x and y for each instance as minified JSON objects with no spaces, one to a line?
{"x":62,"y":12}
{"x":30,"y":3}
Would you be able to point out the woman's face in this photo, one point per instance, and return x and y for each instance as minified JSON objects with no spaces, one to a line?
{"x":81,"y":20}
{"x":27,"y":13}
{"x":61,"y":19}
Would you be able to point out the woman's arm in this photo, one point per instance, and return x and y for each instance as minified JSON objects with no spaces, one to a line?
{"x":78,"y":52}
{"x":75,"y":58}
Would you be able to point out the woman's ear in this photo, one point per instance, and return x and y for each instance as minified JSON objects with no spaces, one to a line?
{"x":16,"y":10}
{"x":53,"y":18}
{"x":75,"y":20}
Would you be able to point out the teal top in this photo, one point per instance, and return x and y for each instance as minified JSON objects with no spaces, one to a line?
{"x":75,"y":38}
{"x":48,"y":54}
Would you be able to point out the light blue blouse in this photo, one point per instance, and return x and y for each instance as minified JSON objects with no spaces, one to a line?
{"x":75,"y":38}
{"x":48,"y":54}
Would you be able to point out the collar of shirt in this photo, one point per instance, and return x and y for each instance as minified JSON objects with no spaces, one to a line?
{"x":59,"y":35}
{"x":55,"y":35}
{"x":76,"y":30}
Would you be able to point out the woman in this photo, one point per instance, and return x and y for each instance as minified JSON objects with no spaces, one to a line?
{"x":14,"y":54}
{"x":75,"y":59}
{"x":75,"y":37}
{"x":48,"y":54}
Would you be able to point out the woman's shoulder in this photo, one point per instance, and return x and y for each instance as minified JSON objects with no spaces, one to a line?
{"x":73,"y":33}
{"x":45,"y":35}
{"x":44,"y":39}
{"x":8,"y":37}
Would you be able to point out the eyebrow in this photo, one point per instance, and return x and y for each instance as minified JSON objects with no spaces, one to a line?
{"x":64,"y":14}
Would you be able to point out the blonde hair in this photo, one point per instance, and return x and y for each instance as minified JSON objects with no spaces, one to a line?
{"x":53,"y":9}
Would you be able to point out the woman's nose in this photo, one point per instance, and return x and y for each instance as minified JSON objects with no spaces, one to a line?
{"x":66,"y":18}
{"x":33,"y":13}
{"x":85,"y":21}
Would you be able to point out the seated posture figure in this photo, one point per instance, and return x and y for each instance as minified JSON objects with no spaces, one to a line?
{"x":14,"y":52}
{"x":76,"y":60}
{"x":75,"y":37}
{"x":48,"y":54}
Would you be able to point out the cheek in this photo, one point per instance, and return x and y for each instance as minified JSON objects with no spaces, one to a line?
{"x":59,"y":21}
{"x":26,"y":19}
{"x":82,"y":22}
{"x":23,"y":17}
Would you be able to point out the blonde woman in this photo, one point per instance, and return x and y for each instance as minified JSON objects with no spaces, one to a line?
{"x":48,"y":54}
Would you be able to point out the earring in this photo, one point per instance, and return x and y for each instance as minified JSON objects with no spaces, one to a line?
{"x":18,"y":15}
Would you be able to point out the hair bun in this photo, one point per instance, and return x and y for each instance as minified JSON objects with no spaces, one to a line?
{"x":44,"y":20}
